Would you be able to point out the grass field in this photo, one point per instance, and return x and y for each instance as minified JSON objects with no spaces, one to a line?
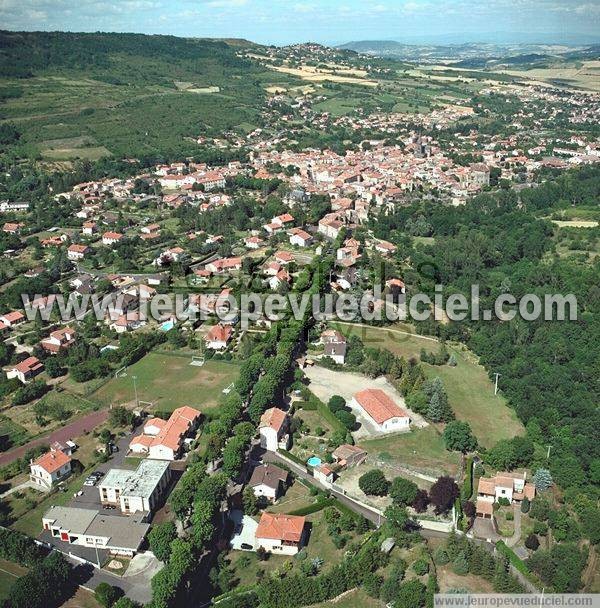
{"x":469,"y":388}
{"x":169,"y":381}
{"x":352,"y":599}
{"x":9,"y":572}
{"x":421,"y":449}
{"x":11,"y":433}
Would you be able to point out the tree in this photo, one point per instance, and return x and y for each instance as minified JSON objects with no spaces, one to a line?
{"x":525,"y":505}
{"x":421,"y":501}
{"x":107,"y":594}
{"x":403,"y":491}
{"x":121,"y":416}
{"x":54,"y":367}
{"x":249,"y":502}
{"x":542,"y":480}
{"x":532,"y":542}
{"x":348,"y":419}
{"x":160,"y":539}
{"x":443,"y":493}
{"x":411,"y":594}
{"x":374,"y":483}
{"x":469,"y":509}
{"x":336,"y":403}
{"x":458,"y":437}
{"x":125,"y":602}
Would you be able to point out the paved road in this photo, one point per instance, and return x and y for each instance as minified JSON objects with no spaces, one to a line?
{"x":74,"y":429}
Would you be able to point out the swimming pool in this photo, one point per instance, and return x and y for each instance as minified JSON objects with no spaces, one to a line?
{"x":167,"y":325}
{"x":313,"y":461}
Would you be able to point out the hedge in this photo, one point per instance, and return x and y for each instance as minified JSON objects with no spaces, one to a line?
{"x":467,"y":489}
{"x":317,"y":506}
{"x":514,"y":559}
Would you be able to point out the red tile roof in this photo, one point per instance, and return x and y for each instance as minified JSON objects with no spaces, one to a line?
{"x":277,"y":526}
{"x":219,"y":333}
{"x":273,"y":418}
{"x":52,"y":461}
{"x":31,"y":364}
{"x":379,"y":405}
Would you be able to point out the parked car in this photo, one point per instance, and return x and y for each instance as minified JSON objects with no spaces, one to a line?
{"x":90,"y":481}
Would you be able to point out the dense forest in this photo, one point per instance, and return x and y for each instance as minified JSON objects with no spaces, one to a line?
{"x":549,"y":369}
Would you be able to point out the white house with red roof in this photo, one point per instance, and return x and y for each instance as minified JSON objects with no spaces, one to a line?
{"x":284,"y":257}
{"x":510,"y":485}
{"x":58,"y":340}
{"x":110,"y":238}
{"x":300,"y":238}
{"x":273,"y":430}
{"x":50,"y":468}
{"x":253,"y":242}
{"x":218,"y":336}
{"x":381,"y":409}
{"x":224,"y":265}
{"x":164,"y":439}
{"x":10,"y":319}
{"x":25,"y":370}
{"x":77,"y":251}
{"x":280,"y":533}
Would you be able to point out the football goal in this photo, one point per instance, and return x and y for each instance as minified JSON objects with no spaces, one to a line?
{"x":121,"y":372}
{"x":227,"y":389}
{"x":197,"y":360}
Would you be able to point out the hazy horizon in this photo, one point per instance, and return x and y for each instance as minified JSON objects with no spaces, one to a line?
{"x":328,"y":21}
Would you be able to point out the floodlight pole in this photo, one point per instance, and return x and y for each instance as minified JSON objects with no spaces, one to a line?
{"x":496,"y":383}
{"x":137,"y":403}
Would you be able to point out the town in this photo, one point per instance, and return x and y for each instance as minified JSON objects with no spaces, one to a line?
{"x":189,"y":458}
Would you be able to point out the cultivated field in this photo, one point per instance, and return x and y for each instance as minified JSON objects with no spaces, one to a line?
{"x":169,"y":382}
{"x":315,"y":75}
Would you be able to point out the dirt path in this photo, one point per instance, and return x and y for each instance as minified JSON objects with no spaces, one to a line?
{"x":74,"y":429}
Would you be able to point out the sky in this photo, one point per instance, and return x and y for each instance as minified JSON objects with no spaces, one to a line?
{"x":324,"y":21}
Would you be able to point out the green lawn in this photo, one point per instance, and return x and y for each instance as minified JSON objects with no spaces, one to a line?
{"x":9,"y":572}
{"x":472,"y":398}
{"x":469,"y":388}
{"x":11,"y":433}
{"x":353,"y":599}
{"x":169,"y":381}
{"x":422,"y":449}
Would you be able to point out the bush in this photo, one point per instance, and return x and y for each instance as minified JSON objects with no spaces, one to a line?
{"x":503,"y":501}
{"x":107,"y":594}
{"x":336,"y":403}
{"x":532,"y":542}
{"x":421,"y":566}
{"x":440,"y":556}
{"x":525,"y":505}
{"x":374,"y":483}
{"x":403,"y":491}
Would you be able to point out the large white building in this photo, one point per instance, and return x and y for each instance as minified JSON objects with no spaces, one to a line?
{"x":138,"y":490}
{"x":90,"y":528}
{"x":380,"y":408}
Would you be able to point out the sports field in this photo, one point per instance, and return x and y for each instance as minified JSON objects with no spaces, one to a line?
{"x":169,"y":381}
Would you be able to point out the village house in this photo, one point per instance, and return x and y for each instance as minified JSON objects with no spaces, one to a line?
{"x":511,"y":486}
{"x":380,"y":408}
{"x":385,"y":248}
{"x":280,"y":534}
{"x":335,"y":345}
{"x":129,"y":321}
{"x":49,"y":468}
{"x":282,"y":277}
{"x":26,"y":370}
{"x":253,"y":242}
{"x":347,"y":455}
{"x":11,"y":319}
{"x":13,"y":227}
{"x":110,"y":238}
{"x":285,"y":220}
{"x":89,"y":228}
{"x":284,"y":257}
{"x":330,"y":227}
{"x":58,"y":340}
{"x":324,"y":473}
{"x":77,"y":252}
{"x":268,"y":481}
{"x":273,"y":430}
{"x":218,"y":336}
{"x":300,"y":238}
{"x":165,"y":439}
{"x":224,"y":265}
{"x":91,"y":528}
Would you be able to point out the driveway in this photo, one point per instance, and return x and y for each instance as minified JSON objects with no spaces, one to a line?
{"x":325,"y":383}
{"x":484,"y":528}
{"x":90,"y":499}
{"x":245,"y":531}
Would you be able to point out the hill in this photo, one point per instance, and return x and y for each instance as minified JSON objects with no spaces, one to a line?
{"x":75,"y":95}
